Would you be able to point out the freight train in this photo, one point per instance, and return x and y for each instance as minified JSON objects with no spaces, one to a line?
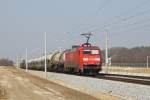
{"x":85,"y":60}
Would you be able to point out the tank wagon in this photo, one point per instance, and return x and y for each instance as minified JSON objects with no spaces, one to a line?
{"x":84,"y":59}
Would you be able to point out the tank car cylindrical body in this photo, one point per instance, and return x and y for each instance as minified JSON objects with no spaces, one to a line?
{"x":57,"y":61}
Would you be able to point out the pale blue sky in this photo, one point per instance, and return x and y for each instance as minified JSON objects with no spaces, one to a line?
{"x":23,"y":23}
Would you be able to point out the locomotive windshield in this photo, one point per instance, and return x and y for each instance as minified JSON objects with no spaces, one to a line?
{"x":86,"y":52}
{"x":90,"y":52}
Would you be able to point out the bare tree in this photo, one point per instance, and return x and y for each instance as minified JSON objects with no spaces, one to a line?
{"x":6,"y":62}
{"x":128,"y":55}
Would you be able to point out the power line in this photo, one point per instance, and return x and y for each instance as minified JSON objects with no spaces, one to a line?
{"x":122,"y":20}
{"x":125,"y":13}
{"x":104,"y":5}
{"x":134,"y":29}
{"x":139,"y":22}
{"x":132,"y":9}
{"x":135,"y":23}
{"x":99,"y":9}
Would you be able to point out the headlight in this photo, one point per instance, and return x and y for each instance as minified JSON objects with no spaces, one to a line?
{"x":85,"y":59}
{"x":97,"y":59}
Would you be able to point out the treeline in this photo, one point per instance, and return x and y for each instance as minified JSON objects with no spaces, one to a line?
{"x":128,"y":55}
{"x":6,"y":62}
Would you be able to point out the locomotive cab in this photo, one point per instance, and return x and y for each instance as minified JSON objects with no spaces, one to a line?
{"x":90,"y":59}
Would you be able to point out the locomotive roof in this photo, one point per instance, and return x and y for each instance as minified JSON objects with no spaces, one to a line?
{"x":87,"y":47}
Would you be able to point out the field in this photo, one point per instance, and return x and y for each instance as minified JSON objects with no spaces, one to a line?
{"x":2,"y":93}
{"x":15,"y":84}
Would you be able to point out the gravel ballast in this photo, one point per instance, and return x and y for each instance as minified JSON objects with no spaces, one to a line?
{"x":93,"y":86}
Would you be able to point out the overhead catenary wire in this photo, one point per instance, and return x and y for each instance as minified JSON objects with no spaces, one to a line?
{"x":138,"y":22}
{"x":120,"y":17}
{"x":131,"y":10}
{"x":120,"y":21}
{"x":105,"y":4}
{"x":132,"y":25}
{"x":137,"y":28}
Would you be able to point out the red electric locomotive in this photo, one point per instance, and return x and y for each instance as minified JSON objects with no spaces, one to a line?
{"x":85,"y":59}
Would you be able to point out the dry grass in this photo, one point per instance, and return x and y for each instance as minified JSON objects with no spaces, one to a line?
{"x":127,"y":69}
{"x":2,"y":93}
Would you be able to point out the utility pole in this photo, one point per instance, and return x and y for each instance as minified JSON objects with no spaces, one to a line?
{"x":45,"y":55}
{"x":26,"y":59}
{"x":60,"y":50}
{"x":106,"y":51}
{"x":147,"y":61}
{"x":17,"y":62}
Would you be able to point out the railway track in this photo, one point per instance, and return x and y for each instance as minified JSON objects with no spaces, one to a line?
{"x":125,"y":78}
{"x":143,"y":80}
